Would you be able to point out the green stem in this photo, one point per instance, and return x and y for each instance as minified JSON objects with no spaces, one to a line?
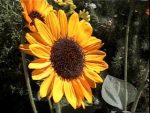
{"x":126,"y":59}
{"x":58,"y":108}
{"x":141,"y":88}
{"x":28,"y":81}
{"x":50,"y":105}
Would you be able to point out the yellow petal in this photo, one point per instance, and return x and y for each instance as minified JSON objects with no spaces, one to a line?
{"x":90,"y":82}
{"x":87,"y":28}
{"x":85,"y":89}
{"x":51,"y":88}
{"x":25,"y":48}
{"x":96,"y":52}
{"x":84,"y":33}
{"x":35,"y":38}
{"x":95,"y":57}
{"x":31,"y":27}
{"x":26,"y":16}
{"x":92,"y":44}
{"x":53,"y":24}
{"x":94,"y":60}
{"x":92,"y":75}
{"x":78,"y":92}
{"x":63,"y":23}
{"x":70,"y":93}
{"x":44,"y":32}
{"x":23,"y":5}
{"x":28,"y":4}
{"x":43,"y":7}
{"x":37,"y":4}
{"x":97,"y":66}
{"x":83,"y":105}
{"x":44,"y":88}
{"x":73,"y":25}
{"x":39,"y":63}
{"x":31,"y":39}
{"x":40,"y":51}
{"x":57,"y":89}
{"x":81,"y":37}
{"x":40,"y":74}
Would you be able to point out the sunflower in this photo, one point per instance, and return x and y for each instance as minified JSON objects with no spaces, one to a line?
{"x":67,"y":58}
{"x":35,"y":9}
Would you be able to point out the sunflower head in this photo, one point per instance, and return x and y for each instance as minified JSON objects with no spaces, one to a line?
{"x":72,"y":63}
{"x":68,"y":58}
{"x":34,"y":9}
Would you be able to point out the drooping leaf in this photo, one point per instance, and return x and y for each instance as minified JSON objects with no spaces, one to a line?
{"x":113,"y":92}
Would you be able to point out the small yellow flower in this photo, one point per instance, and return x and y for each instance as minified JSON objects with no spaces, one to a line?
{"x":64,"y":2}
{"x":68,"y":3}
{"x":84,"y":15}
{"x":67,"y":58}
{"x":35,"y":9}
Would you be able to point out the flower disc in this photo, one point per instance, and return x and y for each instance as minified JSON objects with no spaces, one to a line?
{"x":67,"y":58}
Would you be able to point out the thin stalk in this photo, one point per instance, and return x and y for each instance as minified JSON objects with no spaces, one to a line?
{"x":58,"y":108}
{"x":28,"y":82}
{"x":141,"y":88}
{"x":50,"y":105}
{"x":126,"y":58}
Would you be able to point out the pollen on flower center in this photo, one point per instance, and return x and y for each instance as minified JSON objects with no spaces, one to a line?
{"x":67,"y":58}
{"x":35,"y":14}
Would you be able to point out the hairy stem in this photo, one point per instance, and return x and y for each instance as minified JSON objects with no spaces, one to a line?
{"x":126,"y":57}
{"x":50,"y":105}
{"x":58,"y":108}
{"x":28,"y":81}
{"x":141,"y":88}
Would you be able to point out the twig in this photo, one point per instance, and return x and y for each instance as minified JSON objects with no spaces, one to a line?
{"x":28,"y":81}
{"x":58,"y":108}
{"x":50,"y":105}
{"x":126,"y":56}
{"x":141,"y":88}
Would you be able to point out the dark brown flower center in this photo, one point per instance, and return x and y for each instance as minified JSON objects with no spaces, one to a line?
{"x":35,"y":14}
{"x":67,"y":58}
